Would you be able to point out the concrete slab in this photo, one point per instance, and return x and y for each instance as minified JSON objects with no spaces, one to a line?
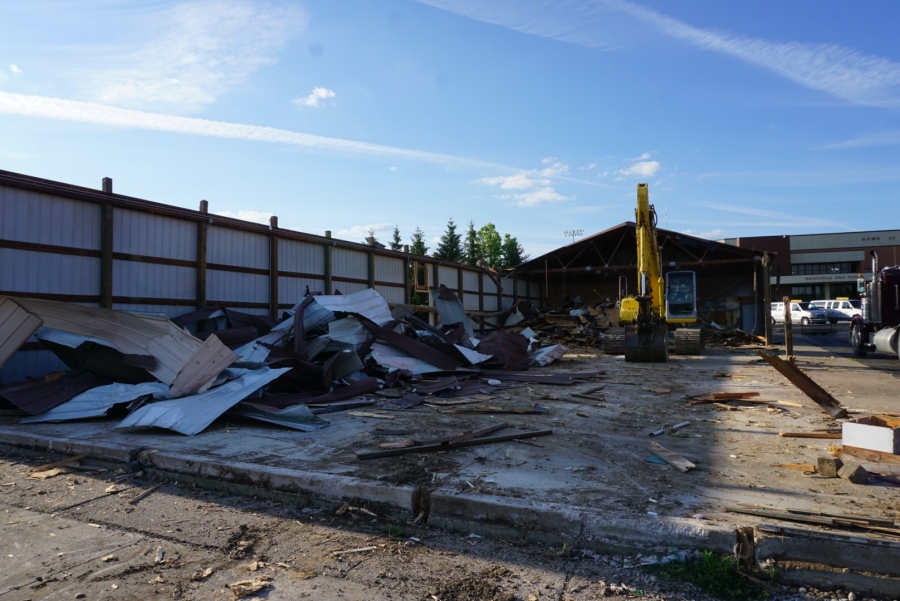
{"x":593,"y":479}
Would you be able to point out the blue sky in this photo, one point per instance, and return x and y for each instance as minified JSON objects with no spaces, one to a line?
{"x":746,"y":119}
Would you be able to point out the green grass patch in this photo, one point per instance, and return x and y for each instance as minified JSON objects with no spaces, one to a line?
{"x":391,"y":530}
{"x":714,"y":574}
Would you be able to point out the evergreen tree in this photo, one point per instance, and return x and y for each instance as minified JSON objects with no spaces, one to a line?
{"x":418,"y":243}
{"x":472,"y":254}
{"x":513,"y":253}
{"x":491,"y":245}
{"x":396,"y":243}
{"x":450,"y":248}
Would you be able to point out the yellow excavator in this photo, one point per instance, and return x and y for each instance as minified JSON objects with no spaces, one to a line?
{"x":659,"y":302}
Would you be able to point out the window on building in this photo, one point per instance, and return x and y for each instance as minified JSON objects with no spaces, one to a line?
{"x":807,"y":293}
{"x":823,"y":268}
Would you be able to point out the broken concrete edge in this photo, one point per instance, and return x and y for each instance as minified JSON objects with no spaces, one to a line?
{"x":822,"y":578}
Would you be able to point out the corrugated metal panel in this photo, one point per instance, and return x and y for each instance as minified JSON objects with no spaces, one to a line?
{"x":153,"y":235}
{"x":470,"y":281}
{"x":236,"y":287}
{"x":150,"y":280}
{"x":349,"y":287}
{"x":44,"y":219}
{"x":302,"y":257}
{"x":534,"y":289}
{"x":448,"y":277}
{"x":235,"y":247}
{"x":30,"y":363}
{"x":291,"y":290}
{"x":392,"y":294}
{"x":388,"y":269}
{"x":27,"y":271}
{"x":490,"y":303}
{"x":470,"y":302}
{"x":169,"y":311}
{"x":350,"y":264}
{"x":489,"y":287}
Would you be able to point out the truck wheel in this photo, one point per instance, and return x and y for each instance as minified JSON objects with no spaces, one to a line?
{"x":804,"y":321}
{"x":855,"y":342}
{"x":774,"y":322}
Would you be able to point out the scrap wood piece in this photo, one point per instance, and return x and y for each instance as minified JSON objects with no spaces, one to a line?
{"x":452,"y":445}
{"x":201,"y":370}
{"x":359,"y":550}
{"x":872,"y":521}
{"x":134,"y":500}
{"x":465,"y":435}
{"x":701,"y":399}
{"x":822,"y":398}
{"x":828,"y":522}
{"x":729,"y":407}
{"x":870,"y":455}
{"x":371,"y":414}
{"x":671,"y":457}
{"x":16,"y":326}
{"x":250,"y":587}
{"x":800,"y":467}
{"x":51,"y":473}
{"x":828,"y":435}
{"x":588,"y":397}
{"x":48,"y":466}
{"x":520,"y":409}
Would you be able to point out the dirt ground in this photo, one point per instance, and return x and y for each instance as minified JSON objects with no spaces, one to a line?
{"x":72,"y":537}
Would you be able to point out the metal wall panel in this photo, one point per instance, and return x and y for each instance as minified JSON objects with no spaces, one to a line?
{"x":470,"y":281}
{"x":30,"y":363}
{"x":231,"y":286}
{"x":291,"y":290}
{"x":490,"y":289}
{"x":348,"y":287}
{"x":43,"y":219}
{"x":28,"y":271}
{"x":448,"y":277}
{"x":350,"y":264}
{"x":139,"y":233}
{"x":301,"y":257}
{"x":169,"y":311}
{"x":392,"y":294}
{"x":151,"y":280}
{"x":534,"y":290}
{"x":388,"y":269}
{"x":235,"y":247}
{"x":490,"y":303}
{"x":470,"y":302}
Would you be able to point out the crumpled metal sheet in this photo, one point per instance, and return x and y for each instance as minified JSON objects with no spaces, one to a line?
{"x":367,"y":303}
{"x":191,"y":415}
{"x":548,"y":355}
{"x":298,"y":417}
{"x":41,"y":396}
{"x":473,"y":357}
{"x":388,"y":356}
{"x":97,"y":401}
{"x":450,"y":309}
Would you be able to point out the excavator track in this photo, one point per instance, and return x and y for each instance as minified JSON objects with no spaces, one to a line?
{"x":614,"y":341}
{"x":689,"y":341}
{"x":646,"y":346}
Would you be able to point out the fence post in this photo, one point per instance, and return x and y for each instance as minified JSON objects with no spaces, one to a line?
{"x":273,"y":266}
{"x":202,"y":233}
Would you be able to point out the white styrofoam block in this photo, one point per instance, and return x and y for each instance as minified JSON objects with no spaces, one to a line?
{"x":873,"y":433}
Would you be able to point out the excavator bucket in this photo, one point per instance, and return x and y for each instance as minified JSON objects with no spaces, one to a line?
{"x":649,"y":346}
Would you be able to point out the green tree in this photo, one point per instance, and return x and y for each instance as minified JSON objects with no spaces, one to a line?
{"x":396,"y":243}
{"x":513,"y":252}
{"x":450,"y":248}
{"x":418,"y":243}
{"x":472,"y":253}
{"x":491,"y":245}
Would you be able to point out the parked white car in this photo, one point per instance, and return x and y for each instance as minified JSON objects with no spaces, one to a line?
{"x":801,"y":313}
{"x":839,"y":310}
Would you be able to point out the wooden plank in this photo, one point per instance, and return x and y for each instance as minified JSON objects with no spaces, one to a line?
{"x":202,"y":235}
{"x":871,"y":456}
{"x":671,"y":457}
{"x":208,"y":362}
{"x":106,"y":255}
{"x":273,"y":266}
{"x":16,"y":326}
{"x":828,"y":435}
{"x":588,"y":397}
{"x":828,"y":522}
{"x":452,"y":445}
{"x":445,"y":440}
{"x":49,"y":466}
{"x":799,"y":379}
{"x":800,"y":467}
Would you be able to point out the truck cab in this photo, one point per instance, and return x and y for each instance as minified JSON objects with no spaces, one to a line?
{"x":877,"y":328}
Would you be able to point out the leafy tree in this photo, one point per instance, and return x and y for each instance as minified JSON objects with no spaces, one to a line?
{"x":491,"y":245}
{"x":418,"y":243}
{"x":513,"y":252}
{"x":450,"y":247}
{"x":472,"y":252}
{"x":396,"y":243}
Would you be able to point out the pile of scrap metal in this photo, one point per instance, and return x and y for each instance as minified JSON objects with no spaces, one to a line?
{"x":328,"y":353}
{"x":573,"y":324}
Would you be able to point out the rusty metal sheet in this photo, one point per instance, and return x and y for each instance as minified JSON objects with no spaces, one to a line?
{"x":38,"y":397}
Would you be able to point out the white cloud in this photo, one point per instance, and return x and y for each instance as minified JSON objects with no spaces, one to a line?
{"x":588,"y":167}
{"x":518,"y":181}
{"x":196,"y":52}
{"x":392,"y":168}
{"x":87,"y":112}
{"x":537,"y":197}
{"x":15,"y":69}
{"x":535,"y":184}
{"x":641,"y":169}
{"x":315,"y":99}
{"x":887,"y":138}
{"x":554,"y":168}
{"x":837,"y":70}
{"x":383,"y":231}
{"x":644,"y":156}
{"x":712,"y":234}
{"x":254,"y":216}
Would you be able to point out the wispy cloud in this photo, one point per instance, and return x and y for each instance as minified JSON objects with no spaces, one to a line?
{"x":15,"y":69}
{"x":316,"y":99}
{"x":86,"y":112}
{"x":774,"y":217}
{"x":194,"y":53}
{"x":641,"y":169}
{"x":533,"y":187}
{"x":254,"y":216}
{"x":886,"y":138}
{"x":836,"y":70}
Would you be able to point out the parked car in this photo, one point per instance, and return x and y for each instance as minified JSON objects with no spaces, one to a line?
{"x":801,"y":312}
{"x":843,"y":309}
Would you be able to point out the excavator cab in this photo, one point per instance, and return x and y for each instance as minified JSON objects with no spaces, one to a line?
{"x":681,"y":297}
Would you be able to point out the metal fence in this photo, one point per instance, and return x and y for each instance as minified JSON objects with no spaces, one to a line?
{"x":94,"y":247}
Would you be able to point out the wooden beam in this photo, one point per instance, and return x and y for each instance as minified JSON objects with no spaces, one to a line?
{"x":799,"y":379}
{"x":678,"y":264}
{"x":202,"y":235}
{"x":106,"y":259}
{"x":273,"y":266}
{"x":452,"y":445}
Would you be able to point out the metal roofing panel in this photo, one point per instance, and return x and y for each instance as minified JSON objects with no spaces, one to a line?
{"x":26,"y":364}
{"x":191,"y":415}
{"x":235,"y":247}
{"x":152,"y":280}
{"x":451,"y":309}
{"x":139,"y":233}
{"x":348,"y":263}
{"x":301,"y":257}
{"x":16,"y":326}
{"x":367,"y":303}
{"x":299,"y":417}
{"x":97,"y":401}
{"x":388,"y":356}
{"x":46,"y":273}
{"x":38,"y":397}
{"x":24,"y":216}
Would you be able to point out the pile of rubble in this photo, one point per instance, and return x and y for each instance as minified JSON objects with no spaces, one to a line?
{"x":572,"y":324}
{"x":328,"y":353}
